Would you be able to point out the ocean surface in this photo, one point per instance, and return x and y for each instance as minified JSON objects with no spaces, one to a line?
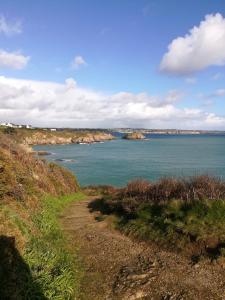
{"x":119,"y":161}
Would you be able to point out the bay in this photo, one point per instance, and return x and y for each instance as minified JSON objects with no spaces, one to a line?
{"x":119,"y":161}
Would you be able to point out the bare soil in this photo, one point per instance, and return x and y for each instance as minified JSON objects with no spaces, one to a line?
{"x":117,"y":267}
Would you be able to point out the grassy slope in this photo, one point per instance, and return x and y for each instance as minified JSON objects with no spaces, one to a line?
{"x":198,"y":226}
{"x":35,"y":259}
{"x":186,"y":215}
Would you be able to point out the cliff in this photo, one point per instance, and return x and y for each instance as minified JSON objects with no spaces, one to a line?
{"x":44,"y":137}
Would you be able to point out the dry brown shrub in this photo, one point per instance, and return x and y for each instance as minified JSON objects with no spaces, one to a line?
{"x":138,"y":187}
{"x":139,"y":192}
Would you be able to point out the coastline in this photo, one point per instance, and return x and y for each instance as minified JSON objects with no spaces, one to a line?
{"x":36,"y":177}
{"x":43,"y":138}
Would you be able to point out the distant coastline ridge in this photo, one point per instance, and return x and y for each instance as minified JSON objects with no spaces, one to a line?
{"x":167,"y":131}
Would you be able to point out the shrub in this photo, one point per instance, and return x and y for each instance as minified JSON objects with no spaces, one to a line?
{"x":9,"y":130}
{"x":186,"y":213}
{"x":138,"y":188}
{"x":141,"y":192}
{"x":95,"y":190}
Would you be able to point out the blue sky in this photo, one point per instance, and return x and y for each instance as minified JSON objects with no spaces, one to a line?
{"x":115,"y":56}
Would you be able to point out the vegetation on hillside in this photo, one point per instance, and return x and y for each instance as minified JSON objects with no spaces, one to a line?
{"x":62,"y":136}
{"x":182,"y":214}
{"x":36,"y":262}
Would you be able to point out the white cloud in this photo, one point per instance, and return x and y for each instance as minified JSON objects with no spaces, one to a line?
{"x":13,"y":60}
{"x":9,"y":28}
{"x":67,"y":104}
{"x":202,"y":47}
{"x":77,"y":62}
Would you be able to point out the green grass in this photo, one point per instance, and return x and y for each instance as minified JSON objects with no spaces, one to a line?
{"x":48,"y":268}
{"x":178,"y":224}
{"x":53,"y":267}
{"x":36,"y":261}
{"x":186,"y":214}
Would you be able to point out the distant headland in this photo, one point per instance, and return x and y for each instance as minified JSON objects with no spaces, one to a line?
{"x":166,"y":131}
{"x":90,"y":135}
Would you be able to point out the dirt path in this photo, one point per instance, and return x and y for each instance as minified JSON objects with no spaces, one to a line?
{"x":118,"y":268}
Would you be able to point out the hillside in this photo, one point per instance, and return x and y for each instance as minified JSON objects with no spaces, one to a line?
{"x":65,"y":136}
{"x":32,"y":193}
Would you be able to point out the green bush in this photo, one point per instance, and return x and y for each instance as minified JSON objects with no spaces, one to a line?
{"x":9,"y":130}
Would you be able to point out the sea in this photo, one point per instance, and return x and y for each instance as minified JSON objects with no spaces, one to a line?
{"x":119,"y":161}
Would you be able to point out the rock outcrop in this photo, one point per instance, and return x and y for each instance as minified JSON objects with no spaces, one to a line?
{"x":134,"y":136}
{"x":93,"y":138}
{"x":42,"y":139}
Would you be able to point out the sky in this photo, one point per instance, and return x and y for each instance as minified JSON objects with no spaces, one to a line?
{"x":113,"y":63}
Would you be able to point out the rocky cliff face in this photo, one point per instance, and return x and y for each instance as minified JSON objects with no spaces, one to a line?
{"x":134,"y":136}
{"x":91,"y":138}
{"x":41,"y":138}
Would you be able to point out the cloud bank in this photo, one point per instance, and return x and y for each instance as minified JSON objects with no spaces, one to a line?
{"x":202,"y":47}
{"x":69,"y":105}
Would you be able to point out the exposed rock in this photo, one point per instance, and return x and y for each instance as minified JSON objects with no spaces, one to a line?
{"x":92,"y":138}
{"x":40,"y":153}
{"x":42,"y":139}
{"x":134,"y":136}
{"x":65,"y":160}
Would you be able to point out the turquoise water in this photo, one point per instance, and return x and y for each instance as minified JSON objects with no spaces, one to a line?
{"x":119,"y":161}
